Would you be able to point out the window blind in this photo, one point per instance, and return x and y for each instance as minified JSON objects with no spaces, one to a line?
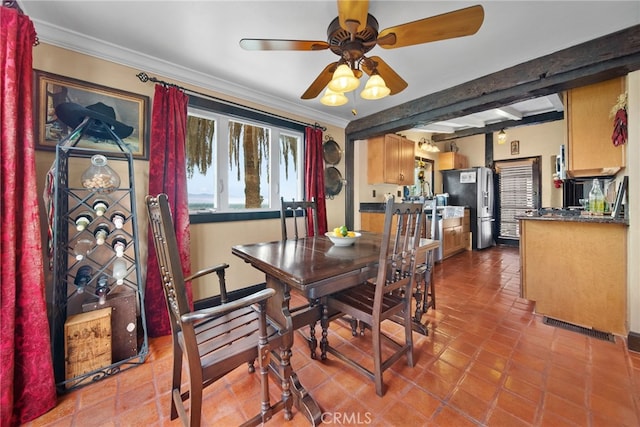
{"x":516,"y":196}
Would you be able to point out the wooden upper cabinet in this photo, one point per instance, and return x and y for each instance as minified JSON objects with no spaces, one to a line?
{"x":589,"y":129}
{"x":450,"y":160}
{"x":390,"y":160}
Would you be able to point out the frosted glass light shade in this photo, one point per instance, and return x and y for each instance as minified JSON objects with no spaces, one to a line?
{"x":333,"y":99}
{"x":375,"y":88}
{"x":502,"y":137}
{"x":343,"y":80}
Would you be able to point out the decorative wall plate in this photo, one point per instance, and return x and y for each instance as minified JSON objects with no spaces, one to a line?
{"x":331,"y":152}
{"x":332,"y":181}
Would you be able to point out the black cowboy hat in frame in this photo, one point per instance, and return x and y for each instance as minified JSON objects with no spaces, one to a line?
{"x":73,"y":114}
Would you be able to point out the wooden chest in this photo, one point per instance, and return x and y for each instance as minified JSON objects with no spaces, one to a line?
{"x":124,"y":327}
{"x":87,"y":344}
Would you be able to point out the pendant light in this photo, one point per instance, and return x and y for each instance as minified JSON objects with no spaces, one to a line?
{"x":344,"y":80}
{"x":333,"y":99}
{"x":502,"y":136}
{"x":375,"y":88}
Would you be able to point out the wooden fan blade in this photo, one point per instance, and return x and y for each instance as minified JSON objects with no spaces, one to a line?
{"x":394,"y":82}
{"x":353,"y":14}
{"x":320,"y":82}
{"x":277,"y":44}
{"x":459,"y":23}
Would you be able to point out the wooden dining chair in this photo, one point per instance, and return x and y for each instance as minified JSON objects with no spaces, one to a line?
{"x":301,"y":215}
{"x":387,"y":295}
{"x":212,"y":341}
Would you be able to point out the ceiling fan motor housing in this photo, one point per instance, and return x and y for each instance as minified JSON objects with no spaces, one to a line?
{"x":363,"y":41}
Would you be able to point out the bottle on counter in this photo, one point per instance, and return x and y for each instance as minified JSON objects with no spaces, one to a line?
{"x":596,"y":198}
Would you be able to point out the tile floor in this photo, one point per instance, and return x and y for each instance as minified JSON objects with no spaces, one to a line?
{"x":488,"y":360}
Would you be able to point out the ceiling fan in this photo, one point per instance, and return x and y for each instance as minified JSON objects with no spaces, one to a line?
{"x":355,"y":32}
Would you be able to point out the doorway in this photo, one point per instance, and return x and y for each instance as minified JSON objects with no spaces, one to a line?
{"x":518,"y":189}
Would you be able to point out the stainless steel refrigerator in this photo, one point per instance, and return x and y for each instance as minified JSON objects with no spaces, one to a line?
{"x":473,"y":188}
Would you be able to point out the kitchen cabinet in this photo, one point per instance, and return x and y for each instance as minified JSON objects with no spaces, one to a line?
{"x":451,"y":160}
{"x":95,"y":262}
{"x":390,"y":160}
{"x":575,"y":271}
{"x":455,"y":235}
{"x":589,"y":129}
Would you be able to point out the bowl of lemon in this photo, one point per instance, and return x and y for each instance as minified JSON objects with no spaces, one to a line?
{"x":341,"y":236}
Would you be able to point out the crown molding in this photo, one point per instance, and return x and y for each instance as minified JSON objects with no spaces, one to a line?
{"x":62,"y":37}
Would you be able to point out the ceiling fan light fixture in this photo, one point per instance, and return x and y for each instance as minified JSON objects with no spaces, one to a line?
{"x":333,"y":99}
{"x":502,"y":136}
{"x":375,"y":88}
{"x":344,"y":80}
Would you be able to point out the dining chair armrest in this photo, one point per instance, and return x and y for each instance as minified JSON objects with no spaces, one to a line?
{"x":219,"y":270}
{"x":208,"y":270}
{"x":208,"y":313}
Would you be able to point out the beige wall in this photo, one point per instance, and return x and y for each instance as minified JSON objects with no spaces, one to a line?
{"x":537,"y":140}
{"x":210,"y":243}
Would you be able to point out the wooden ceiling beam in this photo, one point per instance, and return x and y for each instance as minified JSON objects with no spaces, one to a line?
{"x":603,"y":58}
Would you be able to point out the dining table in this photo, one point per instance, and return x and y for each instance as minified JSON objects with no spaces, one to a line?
{"x":313,"y":267}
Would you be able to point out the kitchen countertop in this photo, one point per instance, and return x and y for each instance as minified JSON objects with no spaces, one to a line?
{"x":378,"y":207}
{"x":576,"y":218}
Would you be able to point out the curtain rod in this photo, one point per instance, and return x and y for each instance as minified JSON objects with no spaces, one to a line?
{"x":146,"y":78}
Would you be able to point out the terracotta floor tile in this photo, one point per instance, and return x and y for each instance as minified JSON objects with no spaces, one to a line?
{"x":514,"y":404}
{"x":559,"y":406}
{"x":470,"y":404}
{"x":488,"y":360}
{"x":400,"y":414}
{"x":502,"y":418}
{"x":478,"y":387}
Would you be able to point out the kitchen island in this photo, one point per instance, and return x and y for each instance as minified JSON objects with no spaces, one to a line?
{"x":575,"y":269}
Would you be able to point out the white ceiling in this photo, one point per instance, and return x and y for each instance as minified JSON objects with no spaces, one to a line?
{"x":196,"y":42}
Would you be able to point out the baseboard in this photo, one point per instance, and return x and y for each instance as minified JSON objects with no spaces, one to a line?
{"x":233,"y":295}
{"x":633,"y":341}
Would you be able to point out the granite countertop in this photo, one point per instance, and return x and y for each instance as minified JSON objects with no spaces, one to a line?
{"x":576,"y":218}
{"x":378,"y":207}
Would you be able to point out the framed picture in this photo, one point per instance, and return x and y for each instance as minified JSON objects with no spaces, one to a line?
{"x":515,"y":147}
{"x":130,"y":109}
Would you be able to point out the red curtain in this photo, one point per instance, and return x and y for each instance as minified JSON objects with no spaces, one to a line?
{"x":167,"y":174}
{"x":314,"y":175}
{"x":26,"y":369}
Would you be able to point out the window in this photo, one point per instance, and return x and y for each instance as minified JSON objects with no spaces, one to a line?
{"x":240,"y":165}
{"x":519,"y":189}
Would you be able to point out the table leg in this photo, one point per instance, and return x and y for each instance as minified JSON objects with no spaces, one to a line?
{"x":292,"y":390}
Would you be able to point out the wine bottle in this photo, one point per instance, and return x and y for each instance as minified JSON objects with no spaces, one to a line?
{"x":83,"y":276}
{"x":119,"y":245}
{"x":118,"y":219}
{"x":100,"y":206}
{"x":102,"y":289}
{"x":83,"y":220}
{"x":101,"y":232}
{"x":82,"y":248}
{"x":119,"y":271}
